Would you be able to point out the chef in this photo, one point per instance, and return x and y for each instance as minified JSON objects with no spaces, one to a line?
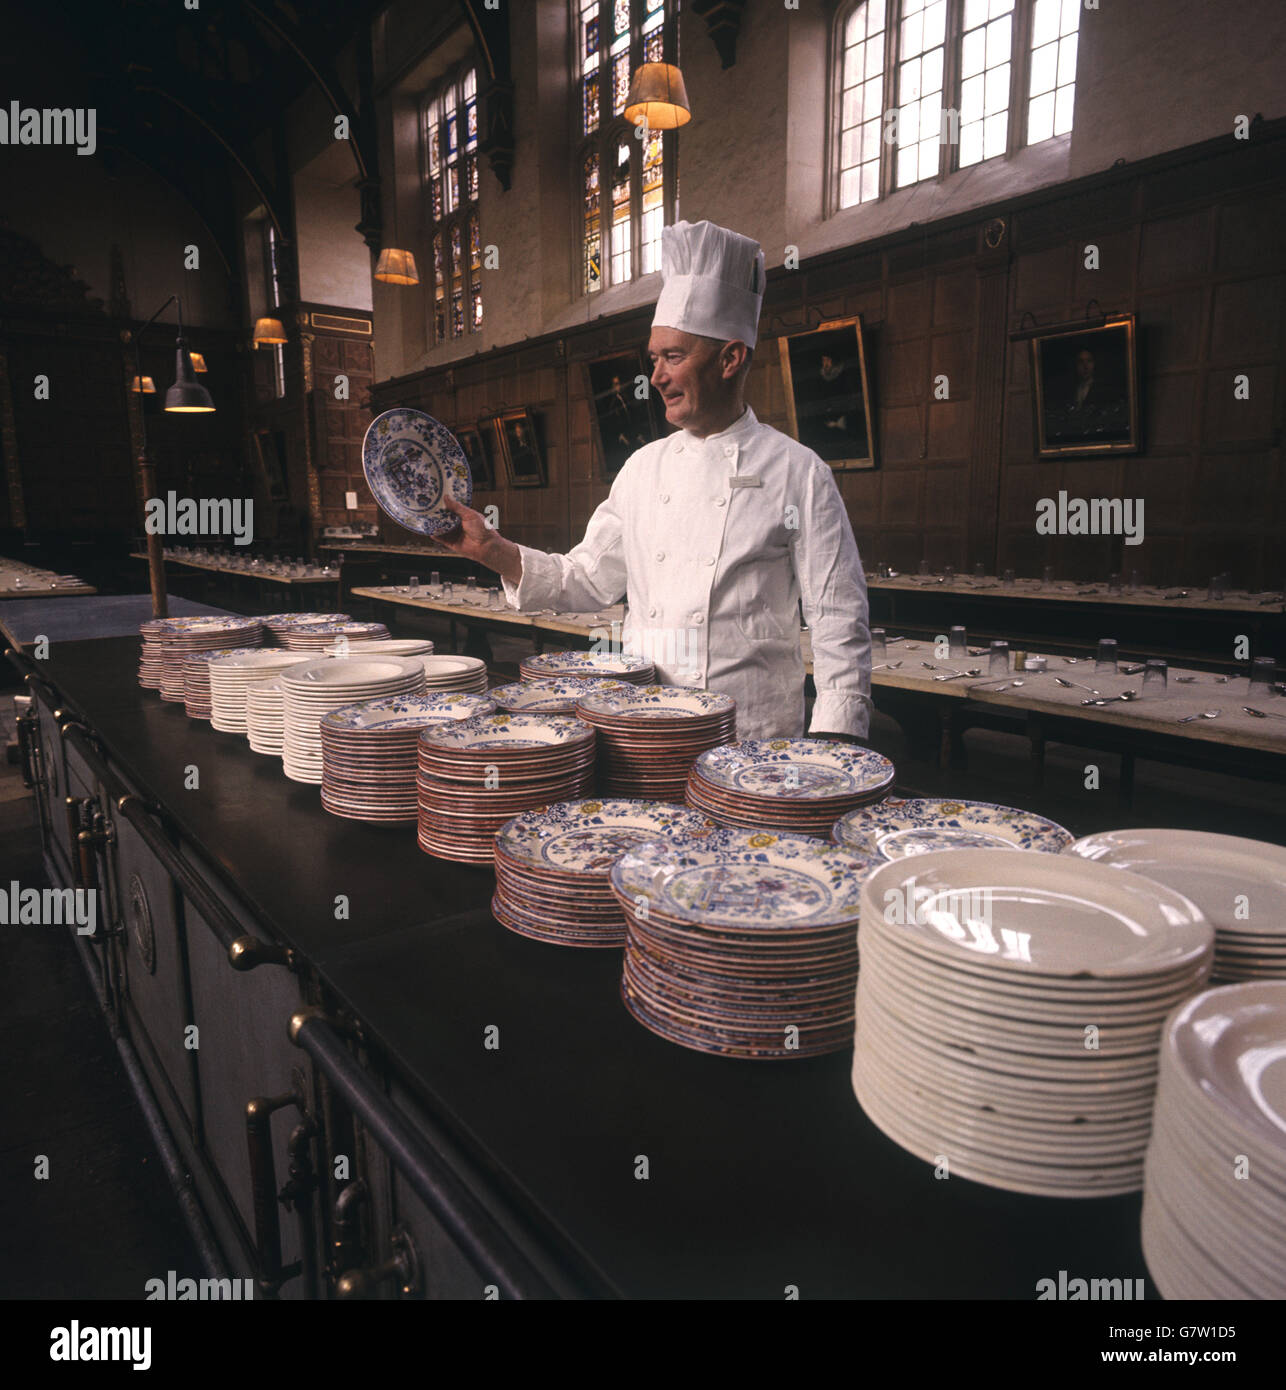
{"x":718,"y":531}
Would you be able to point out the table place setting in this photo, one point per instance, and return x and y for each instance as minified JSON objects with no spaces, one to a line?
{"x":1009,"y":1011}
{"x":553,"y":865}
{"x":1215,"y":1174}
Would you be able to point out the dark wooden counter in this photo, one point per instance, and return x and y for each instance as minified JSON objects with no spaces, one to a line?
{"x":762,"y":1175}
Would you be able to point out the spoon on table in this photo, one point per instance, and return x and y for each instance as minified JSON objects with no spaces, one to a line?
{"x":957,"y":675}
{"x":1076,"y":685}
{"x":887,"y":666}
{"x":1126,"y":695}
{"x":996,"y":689}
{"x":1263,"y":713}
{"x":1205,"y":714}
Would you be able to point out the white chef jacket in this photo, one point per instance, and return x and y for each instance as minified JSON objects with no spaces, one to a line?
{"x":716,"y":541}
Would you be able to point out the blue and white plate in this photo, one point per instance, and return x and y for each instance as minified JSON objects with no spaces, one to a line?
{"x":405,"y":712}
{"x":798,"y":769}
{"x":657,"y":702}
{"x":412,"y":462}
{"x":622,"y":665}
{"x":588,"y":837}
{"x":498,"y":732}
{"x":751,"y":880}
{"x":550,"y":696}
{"x":897,"y":827}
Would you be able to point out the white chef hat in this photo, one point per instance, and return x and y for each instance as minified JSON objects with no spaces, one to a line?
{"x":713,"y":282}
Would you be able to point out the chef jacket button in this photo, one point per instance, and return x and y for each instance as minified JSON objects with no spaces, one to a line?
{"x":660,"y":554}
{"x":729,"y":450}
{"x":651,"y":612}
{"x":721,"y":501}
{"x":698,"y":618}
{"x":665,"y":497}
{"x":710,"y":560}
{"x":678,"y":448}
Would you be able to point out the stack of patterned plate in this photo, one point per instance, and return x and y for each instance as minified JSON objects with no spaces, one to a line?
{"x":266,"y":716}
{"x":461,"y":673}
{"x":197,"y":696}
{"x":1214,"y":1197}
{"x":476,"y":775}
{"x":742,"y":942}
{"x":388,"y":646}
{"x":1239,"y":884}
{"x":559,"y":665}
{"x":648,"y":736}
{"x":553,"y":866}
{"x":1009,"y":1011}
{"x":316,"y":637}
{"x":552,"y":696}
{"x":231,"y":676}
{"x":798,"y":784}
{"x":369,"y":752}
{"x":280,"y":623}
{"x":896,"y":827}
{"x":196,"y":635}
{"x":317,"y":687}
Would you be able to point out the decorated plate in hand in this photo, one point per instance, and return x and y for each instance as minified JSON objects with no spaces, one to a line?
{"x":794,"y":768}
{"x":412,"y":462}
{"x":899,"y":827}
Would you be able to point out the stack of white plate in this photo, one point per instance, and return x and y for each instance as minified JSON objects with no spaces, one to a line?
{"x":317,"y":687}
{"x":231,"y":676}
{"x":316,"y":637}
{"x":476,"y":775}
{"x":552,"y":696}
{"x":156,"y":631}
{"x":197,"y":695}
{"x":385,"y":646}
{"x":369,"y":752}
{"x":1214,"y":1197}
{"x":604,"y":665}
{"x":1239,"y":884}
{"x":899,"y":826}
{"x":1009,"y":1011}
{"x":462,"y":673}
{"x":553,"y":866}
{"x":196,"y":635}
{"x":279,"y":623}
{"x":648,"y":736}
{"x":741,"y":942}
{"x":266,"y":716}
{"x":801,"y":784}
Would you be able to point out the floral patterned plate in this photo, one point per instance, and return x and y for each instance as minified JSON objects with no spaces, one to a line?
{"x":412,"y":462}
{"x":897,"y":827}
{"x":588,"y":837}
{"x":794,"y":768}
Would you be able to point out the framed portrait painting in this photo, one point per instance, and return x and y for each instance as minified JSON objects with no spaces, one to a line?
{"x":624,"y":410}
{"x":1086,"y":385}
{"x":524,"y":462}
{"x":828,"y":394}
{"x":474,"y":444}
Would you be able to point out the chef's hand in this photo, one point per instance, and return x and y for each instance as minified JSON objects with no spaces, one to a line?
{"x":475,"y":540}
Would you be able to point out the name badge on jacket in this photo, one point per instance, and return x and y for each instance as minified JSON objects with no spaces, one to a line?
{"x":745,"y":480}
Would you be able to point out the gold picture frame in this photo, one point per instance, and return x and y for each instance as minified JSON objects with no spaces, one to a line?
{"x":828,"y":392}
{"x":1086,"y":389}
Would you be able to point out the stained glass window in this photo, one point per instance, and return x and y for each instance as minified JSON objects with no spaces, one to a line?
{"x":637,"y":177}
{"x":450,"y":143}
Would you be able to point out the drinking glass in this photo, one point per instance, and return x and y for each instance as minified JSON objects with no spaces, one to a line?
{"x":1136,"y":581}
{"x":1263,"y":672}
{"x":924,"y":567}
{"x":878,"y":650}
{"x":435,"y":580}
{"x":1047,"y":575}
{"x":958,"y":642}
{"x":413,"y":585}
{"x":1114,"y":583}
{"x":495,"y":600}
{"x":1155,"y":673}
{"x":999,"y":663}
{"x":980,"y":570}
{"x":1007,"y":578}
{"x":448,"y":592}
{"x":1105,"y":660}
{"x":948,"y":573}
{"x":1218,"y":588}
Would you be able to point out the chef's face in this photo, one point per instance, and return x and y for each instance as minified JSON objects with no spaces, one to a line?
{"x":696,"y":386}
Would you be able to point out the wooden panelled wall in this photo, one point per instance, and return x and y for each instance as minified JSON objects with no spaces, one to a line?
{"x":1194,"y":244}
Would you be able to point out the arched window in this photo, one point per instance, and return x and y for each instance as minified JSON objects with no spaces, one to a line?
{"x":449,"y":138}
{"x":925,"y":87}
{"x":620,"y":235}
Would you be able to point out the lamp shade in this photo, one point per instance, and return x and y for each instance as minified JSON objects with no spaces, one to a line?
{"x":187,"y":396}
{"x":658,"y":97}
{"x":396,"y":267}
{"x":198,"y":362}
{"x":269,"y":332}
{"x":144,"y":386}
